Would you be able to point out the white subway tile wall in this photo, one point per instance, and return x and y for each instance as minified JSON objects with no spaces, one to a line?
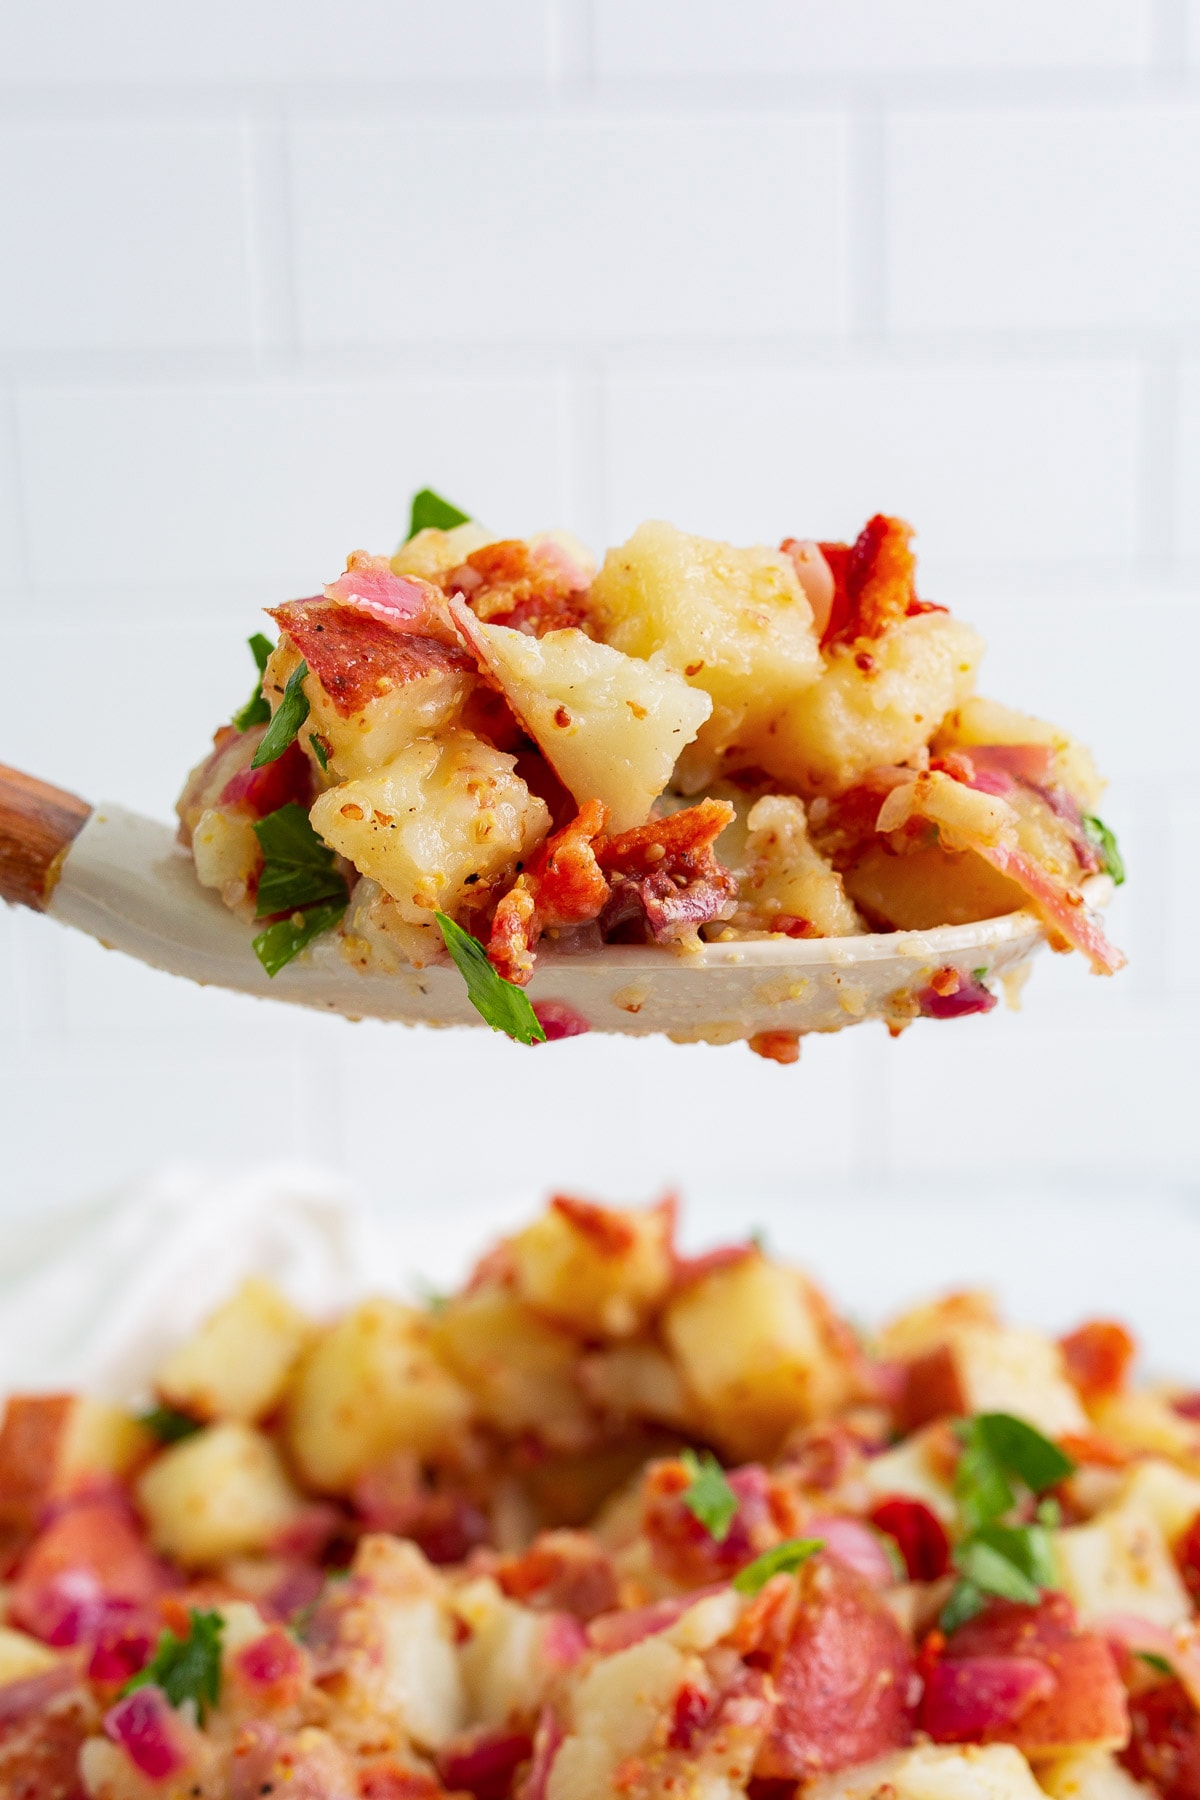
{"x":761,"y":268}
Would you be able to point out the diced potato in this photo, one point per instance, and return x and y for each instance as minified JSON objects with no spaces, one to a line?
{"x":1146,"y":1421}
{"x":980,"y":721}
{"x":750,"y":1345}
{"x":910,"y":1470}
{"x":637,"y":1381}
{"x":736,"y":623}
{"x":1090,"y":1775}
{"x":226,"y":852}
{"x":782,"y":875}
{"x":237,"y":1365}
{"x":518,"y":1368}
{"x":929,"y":886}
{"x":934,"y":1322}
{"x":220,"y":1493}
{"x":935,"y":1772}
{"x":430,"y":697}
{"x":993,"y":1368}
{"x":1120,"y":1562}
{"x":598,"y":1271}
{"x":612,"y":726}
{"x":432,"y":552}
{"x":614,"y":1712}
{"x":443,"y":815}
{"x":1170,"y":1496}
{"x":21,"y":1656}
{"x":502,"y":1662}
{"x":99,"y":1439}
{"x":51,"y":1445}
{"x":369,"y":1386}
{"x":376,"y":937}
{"x":857,"y":718}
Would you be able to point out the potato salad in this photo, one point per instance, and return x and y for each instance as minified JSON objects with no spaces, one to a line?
{"x":610,"y":1522}
{"x":482,"y":747}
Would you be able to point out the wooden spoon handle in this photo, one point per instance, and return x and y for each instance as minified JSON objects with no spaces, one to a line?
{"x":38,"y":824}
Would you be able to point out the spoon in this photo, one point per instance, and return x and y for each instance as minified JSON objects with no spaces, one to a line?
{"x":123,"y":879}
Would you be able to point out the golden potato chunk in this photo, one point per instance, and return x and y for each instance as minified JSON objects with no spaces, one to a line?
{"x":1120,"y":1562}
{"x":519,"y":1369}
{"x":221,"y":1493}
{"x":877,"y":702}
{"x":433,"y":552}
{"x":22,"y":1656}
{"x":237,"y":1365}
{"x":445,"y":814}
{"x":370,"y":1385}
{"x":751,"y":1346}
{"x":595,"y":1270}
{"x":784,"y":883}
{"x":612,"y":726}
{"x":736,"y":623}
{"x":980,"y":721}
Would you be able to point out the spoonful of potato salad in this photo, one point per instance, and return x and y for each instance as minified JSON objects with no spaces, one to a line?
{"x":722,"y":793}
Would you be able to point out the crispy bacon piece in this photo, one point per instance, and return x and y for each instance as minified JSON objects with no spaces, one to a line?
{"x":563,"y":885}
{"x":530,"y":587}
{"x":405,"y":602}
{"x":562,"y":1571}
{"x":1164,"y":1742}
{"x":683,"y":1548}
{"x":665,"y":877}
{"x":1097,"y":1356}
{"x":873,"y":581}
{"x":918,"y":1534}
{"x":483,"y":1761}
{"x":843,"y":1679}
{"x":358,"y":655}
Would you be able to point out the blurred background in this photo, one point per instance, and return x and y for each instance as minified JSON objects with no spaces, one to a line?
{"x":761,"y":269}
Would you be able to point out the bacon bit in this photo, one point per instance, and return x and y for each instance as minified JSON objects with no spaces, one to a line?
{"x":1095,"y":1448}
{"x":931,"y":1389}
{"x":483,"y":1762}
{"x":823,"y":1454}
{"x":788,"y":925}
{"x":558,"y":1020}
{"x":690,"y":1711}
{"x":608,"y":1232}
{"x":684,"y":1549}
{"x":1164,"y":1742}
{"x":1097,"y":1357}
{"x":526,"y":586}
{"x":919,"y":1536}
{"x":777,"y":1046}
{"x":386,"y":1779}
{"x":395,"y":1497}
{"x":357,"y":655}
{"x":873,"y":581}
{"x":404,"y":602}
{"x":945,"y":982}
{"x":563,"y":886}
{"x":689,"y":1269}
{"x":1187,"y":1555}
{"x":562,"y":1571}
{"x":665,"y":876}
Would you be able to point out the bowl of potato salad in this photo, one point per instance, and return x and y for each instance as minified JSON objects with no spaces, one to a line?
{"x":484,"y":758}
{"x":606,"y":1519}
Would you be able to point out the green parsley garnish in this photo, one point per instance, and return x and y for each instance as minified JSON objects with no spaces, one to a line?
{"x":298,"y":868}
{"x":186,"y":1668}
{"x":279,"y":943}
{"x":168,"y":1424}
{"x":429,"y":509}
{"x":978,"y":974}
{"x":1155,"y":1661}
{"x":256,"y":711}
{"x":317,"y":743}
{"x":708,"y":1496}
{"x":1111,"y":860}
{"x":499,"y":1003}
{"x":289,"y":716}
{"x":784,"y":1559}
{"x":1014,"y":1562}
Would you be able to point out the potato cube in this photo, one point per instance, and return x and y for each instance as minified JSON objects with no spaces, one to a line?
{"x":751,"y":1346}
{"x":226,"y":852}
{"x":736,"y":623}
{"x":222,"y":1492}
{"x":637,"y":1381}
{"x":1170,"y":1496}
{"x":433,"y":552}
{"x":237,"y":1365}
{"x":369,"y":1386}
{"x":935,"y":1772}
{"x":1146,"y":1421}
{"x":916,"y":1469}
{"x":596,"y":1270}
{"x":519,"y":1369}
{"x":980,"y":721}
{"x":857,"y":718}
{"x":961,"y":1361}
{"x":1089,"y":1775}
{"x":783,"y":876}
{"x":611,"y":726}
{"x":446,"y":813}
{"x":1119,"y":1562}
{"x":21,"y":1656}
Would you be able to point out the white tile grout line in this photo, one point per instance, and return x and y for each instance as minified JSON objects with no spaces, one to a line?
{"x":867,"y":223}
{"x":268,"y":210}
{"x":1158,"y":455}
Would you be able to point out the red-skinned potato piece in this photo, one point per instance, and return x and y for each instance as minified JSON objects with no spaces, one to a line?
{"x":843,"y":1679}
{"x":265,"y":790}
{"x":29,"y":1442}
{"x":975,"y":1699}
{"x":1087,"y":1706}
{"x":89,"y":1554}
{"x":930,"y":1388}
{"x":1164,"y":1742}
{"x":358,"y":656}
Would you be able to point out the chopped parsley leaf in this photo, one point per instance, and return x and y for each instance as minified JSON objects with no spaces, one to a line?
{"x":784,"y":1559}
{"x":1019,"y":1450}
{"x":256,"y":711}
{"x":168,"y":1424}
{"x":1014,"y":1562}
{"x":298,"y":868}
{"x":187,"y":1668}
{"x":429,"y":509}
{"x":279,"y":943}
{"x":318,"y":748}
{"x":708,"y":1496}
{"x":289,"y":716}
{"x":964,"y":1603}
{"x":1155,"y":1661}
{"x":978,"y":974}
{"x":1111,"y":860}
{"x":499,"y":1003}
